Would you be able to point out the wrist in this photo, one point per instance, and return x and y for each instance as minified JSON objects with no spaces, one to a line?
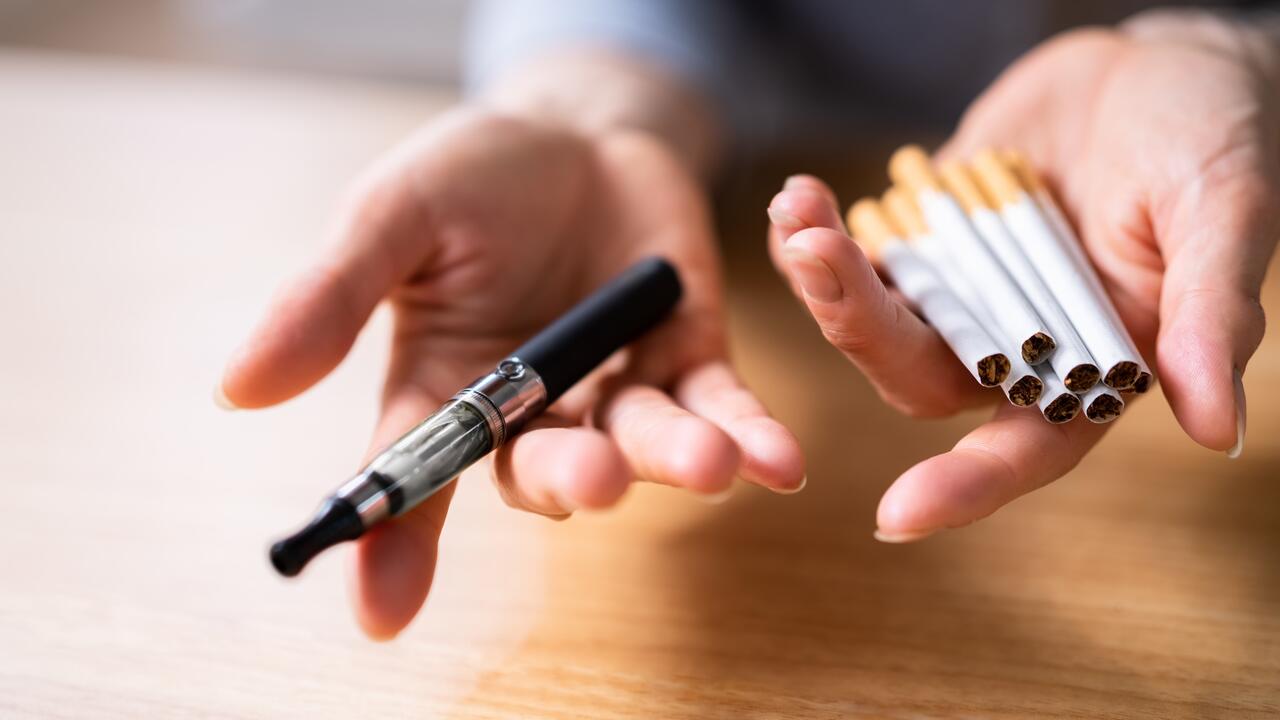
{"x":596,"y":92}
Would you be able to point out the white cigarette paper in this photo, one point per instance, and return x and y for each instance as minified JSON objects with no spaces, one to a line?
{"x":1071,"y":242}
{"x":998,"y":292}
{"x":1022,"y":386}
{"x":918,"y":282}
{"x":1107,"y":341}
{"x":1071,"y":361}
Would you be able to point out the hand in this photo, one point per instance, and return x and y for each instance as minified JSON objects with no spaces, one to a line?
{"x":1161,"y":143}
{"x":479,"y":231}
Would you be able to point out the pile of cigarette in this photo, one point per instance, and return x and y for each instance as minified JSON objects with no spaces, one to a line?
{"x":987,"y":257}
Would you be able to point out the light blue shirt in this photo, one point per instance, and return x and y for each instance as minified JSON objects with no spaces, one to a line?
{"x":795,"y":63}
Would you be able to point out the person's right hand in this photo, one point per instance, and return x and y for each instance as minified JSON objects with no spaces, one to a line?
{"x":1160,"y":139}
{"x":479,"y":231}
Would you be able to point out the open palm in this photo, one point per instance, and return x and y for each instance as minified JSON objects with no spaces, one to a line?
{"x":479,"y":231}
{"x":1161,"y":143}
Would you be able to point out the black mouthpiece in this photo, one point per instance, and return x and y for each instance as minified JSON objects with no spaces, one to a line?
{"x":616,"y":314}
{"x":337,"y":521}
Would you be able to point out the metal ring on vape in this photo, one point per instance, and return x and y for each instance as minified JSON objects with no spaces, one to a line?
{"x":478,"y":401}
{"x":514,"y":391}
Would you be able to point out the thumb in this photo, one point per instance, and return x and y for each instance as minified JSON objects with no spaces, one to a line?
{"x":1220,"y":236}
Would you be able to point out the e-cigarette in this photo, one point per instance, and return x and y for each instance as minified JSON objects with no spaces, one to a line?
{"x":488,"y":412}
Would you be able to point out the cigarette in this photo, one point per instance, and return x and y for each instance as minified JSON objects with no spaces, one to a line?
{"x":1074,"y":284}
{"x":1021,"y":385}
{"x":1017,"y":319}
{"x":1145,"y":378}
{"x":929,"y":293}
{"x":1071,"y":361}
{"x":1017,"y":162}
{"x":1102,"y":404}
{"x":1057,"y":403}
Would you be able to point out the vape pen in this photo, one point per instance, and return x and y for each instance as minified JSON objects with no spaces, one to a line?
{"x":489,"y":411}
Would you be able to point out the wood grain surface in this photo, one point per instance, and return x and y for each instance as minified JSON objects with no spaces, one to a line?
{"x":147,"y":213}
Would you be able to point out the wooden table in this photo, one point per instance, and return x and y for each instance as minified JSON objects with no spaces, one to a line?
{"x":147,"y":213}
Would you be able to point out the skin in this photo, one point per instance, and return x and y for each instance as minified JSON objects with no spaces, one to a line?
{"x":478,"y":231}
{"x":1160,"y":139}
{"x":497,"y":216}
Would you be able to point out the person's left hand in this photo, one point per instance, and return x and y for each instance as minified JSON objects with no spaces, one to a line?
{"x":1161,"y":140}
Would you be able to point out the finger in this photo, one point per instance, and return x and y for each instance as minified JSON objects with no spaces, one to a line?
{"x":554,"y":469}
{"x":395,"y":561}
{"x":664,"y":443}
{"x":1013,"y":454}
{"x":804,"y":201}
{"x":908,"y":362}
{"x":770,"y":454}
{"x":1221,"y":237}
{"x":313,"y":321}
{"x":801,"y":181}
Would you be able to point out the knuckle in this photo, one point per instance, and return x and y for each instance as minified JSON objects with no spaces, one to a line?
{"x":1248,"y":317}
{"x":851,"y":329}
{"x":846,"y":339}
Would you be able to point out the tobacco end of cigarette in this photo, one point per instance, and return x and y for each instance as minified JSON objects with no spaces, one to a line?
{"x":960,"y":183}
{"x":1026,"y":391}
{"x":909,"y":166}
{"x":1082,"y":378}
{"x":1037,"y":348}
{"x":993,"y":369}
{"x":1104,"y":408}
{"x":903,"y":212}
{"x":1143,"y":383}
{"x":1064,"y":408}
{"x":869,"y":225}
{"x":1122,"y":375}
{"x":995,"y":178}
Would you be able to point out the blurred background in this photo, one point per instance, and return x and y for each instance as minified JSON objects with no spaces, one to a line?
{"x":416,"y":40}
{"x":164,"y":164}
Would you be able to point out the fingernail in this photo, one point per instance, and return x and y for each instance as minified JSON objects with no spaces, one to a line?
{"x":792,"y":491}
{"x":785,"y":220}
{"x":792,"y":182}
{"x":220,"y":398}
{"x":717,"y":498}
{"x":898,"y":537}
{"x":1238,"y":448}
{"x":815,"y":278}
